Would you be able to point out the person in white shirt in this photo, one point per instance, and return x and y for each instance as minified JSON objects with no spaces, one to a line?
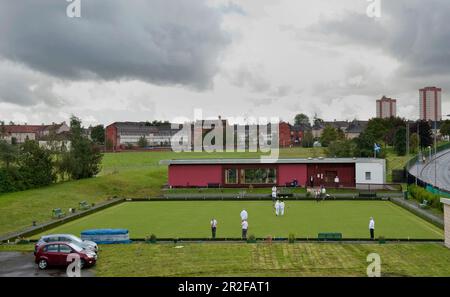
{"x":274,"y":193}
{"x":282,"y":208}
{"x":336,"y":181}
{"x":244,"y":225}
{"x":323,"y":193}
{"x":372,"y":228}
{"x":213,"y":228}
{"x":244,"y":215}
{"x":277,"y":207}
{"x":317,"y":193}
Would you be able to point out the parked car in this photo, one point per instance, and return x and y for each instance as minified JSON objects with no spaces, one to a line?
{"x":85,"y":244}
{"x":56,"y":254}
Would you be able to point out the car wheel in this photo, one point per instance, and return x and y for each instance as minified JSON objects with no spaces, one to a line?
{"x":43,"y":264}
{"x":82,"y":263}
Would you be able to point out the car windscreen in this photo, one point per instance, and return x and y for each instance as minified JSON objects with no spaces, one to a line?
{"x":76,"y":247}
{"x":74,"y":238}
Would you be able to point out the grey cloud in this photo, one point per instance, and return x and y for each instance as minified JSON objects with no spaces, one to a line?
{"x":414,"y":32}
{"x":357,"y":80}
{"x":250,"y":77}
{"x":157,"y":41}
{"x":281,"y":91}
{"x":262,"y":101}
{"x":232,"y":8}
{"x":22,"y":86}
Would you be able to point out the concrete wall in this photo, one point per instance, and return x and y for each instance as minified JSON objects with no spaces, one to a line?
{"x":446,"y":203}
{"x":377,"y":173}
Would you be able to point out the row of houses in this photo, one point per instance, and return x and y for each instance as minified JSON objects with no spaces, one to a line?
{"x":21,"y":133}
{"x":123,"y":135}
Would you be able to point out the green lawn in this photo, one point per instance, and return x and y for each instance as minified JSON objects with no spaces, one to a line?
{"x":129,"y":174}
{"x":271,"y":260}
{"x":262,"y":259}
{"x":304,"y":219}
{"x":395,"y":162}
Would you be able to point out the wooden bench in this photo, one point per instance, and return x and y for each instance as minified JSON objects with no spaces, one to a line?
{"x":329,"y":236}
{"x":58,"y":213}
{"x":83,"y":205}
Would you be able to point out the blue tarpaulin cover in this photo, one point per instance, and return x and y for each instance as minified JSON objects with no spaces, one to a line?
{"x":104,"y":231}
{"x":106,"y":236}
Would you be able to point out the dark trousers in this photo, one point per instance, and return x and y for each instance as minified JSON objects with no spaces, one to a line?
{"x":244,"y":233}
{"x":372,"y":234}
{"x":213,"y":232}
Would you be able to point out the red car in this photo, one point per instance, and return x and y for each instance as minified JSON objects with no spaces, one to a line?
{"x":56,"y":254}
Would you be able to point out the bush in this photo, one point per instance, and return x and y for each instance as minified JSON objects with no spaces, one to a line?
{"x":151,"y":238}
{"x":291,"y":238}
{"x":420,"y":194}
{"x":10,"y":180}
{"x":251,"y":238}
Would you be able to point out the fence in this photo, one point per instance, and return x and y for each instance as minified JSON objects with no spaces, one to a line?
{"x":411,"y":179}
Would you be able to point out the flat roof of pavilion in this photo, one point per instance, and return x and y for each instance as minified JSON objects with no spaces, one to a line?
{"x":271,"y":161}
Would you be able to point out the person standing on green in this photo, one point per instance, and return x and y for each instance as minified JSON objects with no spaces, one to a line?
{"x":213,"y":228}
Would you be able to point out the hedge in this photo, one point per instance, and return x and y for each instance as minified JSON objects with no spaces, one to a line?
{"x":420,"y":194}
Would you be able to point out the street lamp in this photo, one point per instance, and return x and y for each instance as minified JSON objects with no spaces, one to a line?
{"x":435,"y":152}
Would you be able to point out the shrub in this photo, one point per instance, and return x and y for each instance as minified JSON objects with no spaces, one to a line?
{"x":420,"y":194}
{"x":151,"y":238}
{"x":22,"y":240}
{"x":251,"y":238}
{"x":291,"y":238}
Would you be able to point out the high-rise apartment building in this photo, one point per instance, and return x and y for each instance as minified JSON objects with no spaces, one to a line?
{"x":430,"y":104}
{"x":386,"y":107}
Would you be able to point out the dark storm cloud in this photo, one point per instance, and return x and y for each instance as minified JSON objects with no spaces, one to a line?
{"x":22,"y":86}
{"x":414,"y":32}
{"x":157,"y":41}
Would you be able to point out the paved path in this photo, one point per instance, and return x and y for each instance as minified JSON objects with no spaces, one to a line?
{"x":21,"y":264}
{"x":438,"y":169}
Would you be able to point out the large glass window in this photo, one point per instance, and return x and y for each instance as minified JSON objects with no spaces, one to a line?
{"x":259,"y":176}
{"x":330,"y":176}
{"x":231,"y":176}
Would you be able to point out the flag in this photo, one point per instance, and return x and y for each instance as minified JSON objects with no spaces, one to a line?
{"x":376,"y":148}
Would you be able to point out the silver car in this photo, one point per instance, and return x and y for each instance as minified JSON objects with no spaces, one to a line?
{"x":84,"y":244}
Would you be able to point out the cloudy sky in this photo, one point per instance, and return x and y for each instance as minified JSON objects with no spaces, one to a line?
{"x":142,"y":60}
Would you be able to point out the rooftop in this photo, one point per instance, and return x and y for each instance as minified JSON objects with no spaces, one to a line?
{"x":270,"y":161}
